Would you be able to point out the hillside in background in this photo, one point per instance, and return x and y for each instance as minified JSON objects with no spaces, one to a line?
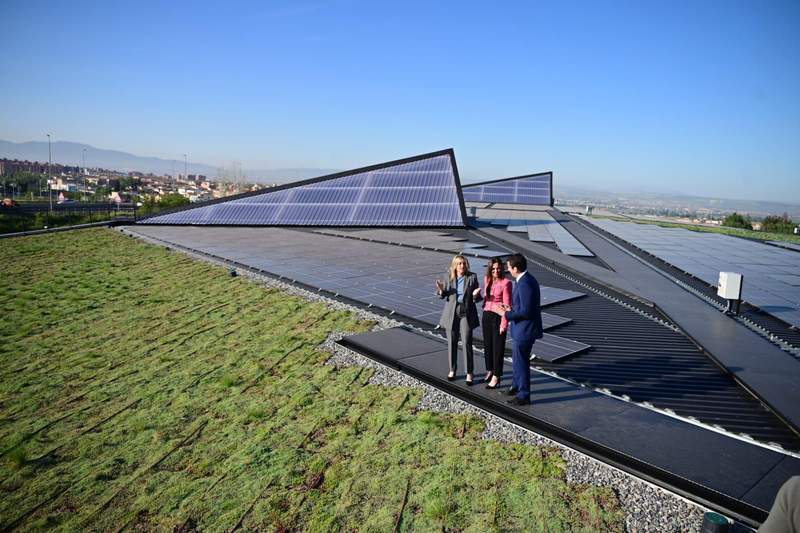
{"x":70,"y":153}
{"x":672,"y":201}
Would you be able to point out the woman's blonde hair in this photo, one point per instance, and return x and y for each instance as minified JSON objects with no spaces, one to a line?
{"x":453,"y":266}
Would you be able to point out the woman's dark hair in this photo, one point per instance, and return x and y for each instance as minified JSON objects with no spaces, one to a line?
{"x":493,"y":261}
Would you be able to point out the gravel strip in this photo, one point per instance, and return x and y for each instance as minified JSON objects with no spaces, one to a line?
{"x":648,"y":508}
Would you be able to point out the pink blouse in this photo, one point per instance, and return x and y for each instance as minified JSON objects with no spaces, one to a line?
{"x":501,"y":294}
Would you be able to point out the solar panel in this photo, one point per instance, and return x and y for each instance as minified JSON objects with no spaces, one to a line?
{"x":552,"y":295}
{"x":566,"y":242}
{"x":326,"y":262}
{"x":764,"y":267}
{"x":789,"y":245}
{"x":552,"y":348}
{"x":421,"y":192}
{"x":533,"y":190}
{"x":520,"y":207}
{"x":789,"y":279}
{"x":426,"y":239}
{"x":538,"y":232}
{"x":551,"y":321}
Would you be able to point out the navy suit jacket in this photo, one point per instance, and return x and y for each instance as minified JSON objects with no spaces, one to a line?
{"x":526,"y":316}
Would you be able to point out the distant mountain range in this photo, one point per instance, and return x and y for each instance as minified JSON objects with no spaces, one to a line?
{"x":69,"y":153}
{"x":676,"y":201}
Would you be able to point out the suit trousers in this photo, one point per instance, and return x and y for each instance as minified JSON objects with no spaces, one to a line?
{"x":494,"y":344}
{"x":460,"y":328}
{"x":521,"y":379}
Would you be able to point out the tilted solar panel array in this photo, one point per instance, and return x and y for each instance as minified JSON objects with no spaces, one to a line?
{"x":531,"y":190}
{"x":423,"y":192}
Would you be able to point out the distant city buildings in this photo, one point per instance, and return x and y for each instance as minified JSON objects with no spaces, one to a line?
{"x":9,"y":166}
{"x":195,"y":187}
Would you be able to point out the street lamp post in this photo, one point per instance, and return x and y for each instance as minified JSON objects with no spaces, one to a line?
{"x":185,"y":175}
{"x":241,"y":174}
{"x":173,"y":170}
{"x":85,"y":179}
{"x":49,"y":176}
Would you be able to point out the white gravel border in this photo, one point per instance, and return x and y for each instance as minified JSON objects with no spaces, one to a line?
{"x":647,"y":507}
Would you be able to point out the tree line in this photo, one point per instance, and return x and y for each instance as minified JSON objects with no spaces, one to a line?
{"x":770,"y":223}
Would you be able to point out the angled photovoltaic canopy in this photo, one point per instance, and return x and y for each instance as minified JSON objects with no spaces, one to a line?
{"x":418,"y":191}
{"x":533,"y":189}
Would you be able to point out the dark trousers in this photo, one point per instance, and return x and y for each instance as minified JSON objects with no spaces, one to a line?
{"x":521,"y":379}
{"x":494,"y":344}
{"x":460,"y":328}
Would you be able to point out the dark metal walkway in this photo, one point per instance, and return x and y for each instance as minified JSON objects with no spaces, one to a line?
{"x":761,"y":367}
{"x":735,"y":477}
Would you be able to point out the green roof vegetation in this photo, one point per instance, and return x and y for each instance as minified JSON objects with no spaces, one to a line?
{"x":143,"y":390}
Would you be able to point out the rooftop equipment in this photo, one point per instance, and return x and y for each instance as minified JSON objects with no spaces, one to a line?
{"x":730,"y":288}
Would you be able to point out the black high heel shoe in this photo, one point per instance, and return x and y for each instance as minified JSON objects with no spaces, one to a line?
{"x":491,"y":387}
{"x":451,"y":378}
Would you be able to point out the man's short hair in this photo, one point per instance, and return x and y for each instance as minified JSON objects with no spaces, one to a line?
{"x":518,"y":261}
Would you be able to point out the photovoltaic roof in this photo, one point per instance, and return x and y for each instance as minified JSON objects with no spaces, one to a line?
{"x":401,"y":279}
{"x":771,"y":280}
{"x":419,"y":191}
{"x":619,"y":349}
{"x":534,"y":189}
{"x":539,"y":225}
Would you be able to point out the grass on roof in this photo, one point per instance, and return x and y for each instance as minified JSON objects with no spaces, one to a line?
{"x":141,"y":390}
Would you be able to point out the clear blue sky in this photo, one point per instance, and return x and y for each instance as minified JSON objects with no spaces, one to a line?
{"x":698,"y":97}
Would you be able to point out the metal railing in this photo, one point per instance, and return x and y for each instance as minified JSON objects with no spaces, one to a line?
{"x":32,"y":217}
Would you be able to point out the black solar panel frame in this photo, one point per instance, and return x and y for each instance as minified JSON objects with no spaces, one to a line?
{"x":490,"y":182}
{"x":447,"y":152}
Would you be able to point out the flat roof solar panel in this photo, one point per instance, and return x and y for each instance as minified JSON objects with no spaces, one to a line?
{"x":699,"y":254}
{"x":537,"y":232}
{"x":379,"y":278}
{"x":789,"y":245}
{"x":566,"y":242}
{"x":552,"y":295}
{"x":552,"y":348}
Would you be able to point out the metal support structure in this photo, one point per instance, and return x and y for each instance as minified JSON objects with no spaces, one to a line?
{"x":49,"y":170}
{"x":85,"y":179}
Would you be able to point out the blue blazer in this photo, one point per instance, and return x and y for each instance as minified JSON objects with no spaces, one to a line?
{"x":526,"y":316}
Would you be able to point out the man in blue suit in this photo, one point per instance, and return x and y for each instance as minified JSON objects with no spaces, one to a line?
{"x":525,"y":318}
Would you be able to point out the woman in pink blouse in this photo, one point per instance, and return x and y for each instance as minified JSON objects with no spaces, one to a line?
{"x":497,"y":292}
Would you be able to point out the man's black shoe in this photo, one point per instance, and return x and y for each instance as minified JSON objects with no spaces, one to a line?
{"x":511,"y":391}
{"x":518,"y":402}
